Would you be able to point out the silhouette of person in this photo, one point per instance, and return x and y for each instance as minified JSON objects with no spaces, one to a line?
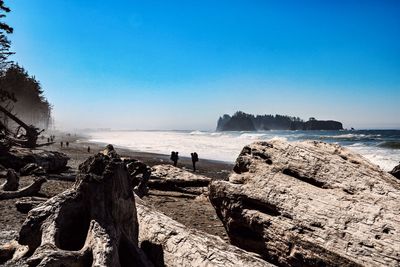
{"x":195,"y":158}
{"x":174,"y":157}
{"x":88,"y":149}
{"x":61,"y":143}
{"x":67,"y":143}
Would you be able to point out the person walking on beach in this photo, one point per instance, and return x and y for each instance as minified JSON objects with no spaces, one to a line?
{"x":174,"y":157}
{"x":195,"y":158}
{"x":61,"y":143}
{"x":67,"y":143}
{"x":88,"y":149}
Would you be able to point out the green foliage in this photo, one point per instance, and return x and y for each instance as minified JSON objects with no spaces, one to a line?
{"x":4,"y":41}
{"x":26,"y":98}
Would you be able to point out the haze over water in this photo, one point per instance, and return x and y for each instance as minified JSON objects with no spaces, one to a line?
{"x":381,"y":147}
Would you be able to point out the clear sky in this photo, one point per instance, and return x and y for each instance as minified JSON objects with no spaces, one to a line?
{"x":180,"y":64}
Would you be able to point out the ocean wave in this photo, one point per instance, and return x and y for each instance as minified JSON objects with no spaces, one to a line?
{"x":356,"y":145}
{"x":197,"y":133}
{"x":251,"y":136}
{"x":351,"y":136}
{"x":390,"y":144}
{"x":278,"y":138}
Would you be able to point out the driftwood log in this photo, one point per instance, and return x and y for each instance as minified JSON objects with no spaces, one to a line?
{"x":140,"y":175}
{"x":12,"y":182}
{"x":17,"y":158}
{"x":170,"y":178}
{"x":92,"y":224}
{"x":28,"y":138}
{"x":30,"y":190}
{"x":169,"y":243}
{"x":310,"y":204}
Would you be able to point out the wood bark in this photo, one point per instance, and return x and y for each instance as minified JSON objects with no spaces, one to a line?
{"x":170,"y":178}
{"x":169,"y":243}
{"x":92,"y":224}
{"x":310,"y":204}
{"x":12,"y":182}
{"x":30,"y":190}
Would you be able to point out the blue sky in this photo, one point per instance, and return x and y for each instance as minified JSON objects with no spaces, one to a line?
{"x":180,"y":64}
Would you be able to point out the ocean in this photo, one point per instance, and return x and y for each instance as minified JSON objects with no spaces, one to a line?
{"x":381,"y":147}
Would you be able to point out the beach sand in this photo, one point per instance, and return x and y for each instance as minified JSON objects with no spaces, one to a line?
{"x":194,"y":213}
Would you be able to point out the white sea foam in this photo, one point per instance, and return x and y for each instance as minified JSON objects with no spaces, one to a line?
{"x":387,"y":159}
{"x":227,"y":145}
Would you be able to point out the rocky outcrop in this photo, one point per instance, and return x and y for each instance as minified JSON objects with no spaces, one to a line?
{"x":238,"y":124}
{"x":92,"y":224}
{"x":322,"y":125}
{"x":241,"y":121}
{"x":170,"y":178}
{"x":310,"y":204}
{"x":17,"y":158}
{"x":396,"y":171}
{"x":169,"y":243}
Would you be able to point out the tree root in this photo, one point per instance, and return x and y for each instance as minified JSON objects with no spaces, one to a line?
{"x":29,"y":190}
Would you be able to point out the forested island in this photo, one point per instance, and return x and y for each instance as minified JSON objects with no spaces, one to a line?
{"x":241,"y":121}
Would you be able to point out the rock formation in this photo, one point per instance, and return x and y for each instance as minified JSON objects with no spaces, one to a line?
{"x":92,"y":224}
{"x":310,"y":204}
{"x":396,"y":171}
{"x":322,"y":125}
{"x":170,"y":178}
{"x":169,"y":243}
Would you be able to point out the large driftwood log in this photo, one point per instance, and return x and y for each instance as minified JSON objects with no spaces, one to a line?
{"x":51,"y":161}
{"x":12,"y":182}
{"x":170,"y":178}
{"x":30,"y":190}
{"x":169,"y":243}
{"x":310,"y":204}
{"x":92,"y":224}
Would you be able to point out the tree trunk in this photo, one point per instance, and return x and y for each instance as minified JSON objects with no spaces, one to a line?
{"x":92,"y":224}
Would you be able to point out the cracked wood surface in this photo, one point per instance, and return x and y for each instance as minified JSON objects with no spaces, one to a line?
{"x":170,"y":243}
{"x":310,"y":203}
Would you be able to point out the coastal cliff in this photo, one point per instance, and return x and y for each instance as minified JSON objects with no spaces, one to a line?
{"x":241,"y":121}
